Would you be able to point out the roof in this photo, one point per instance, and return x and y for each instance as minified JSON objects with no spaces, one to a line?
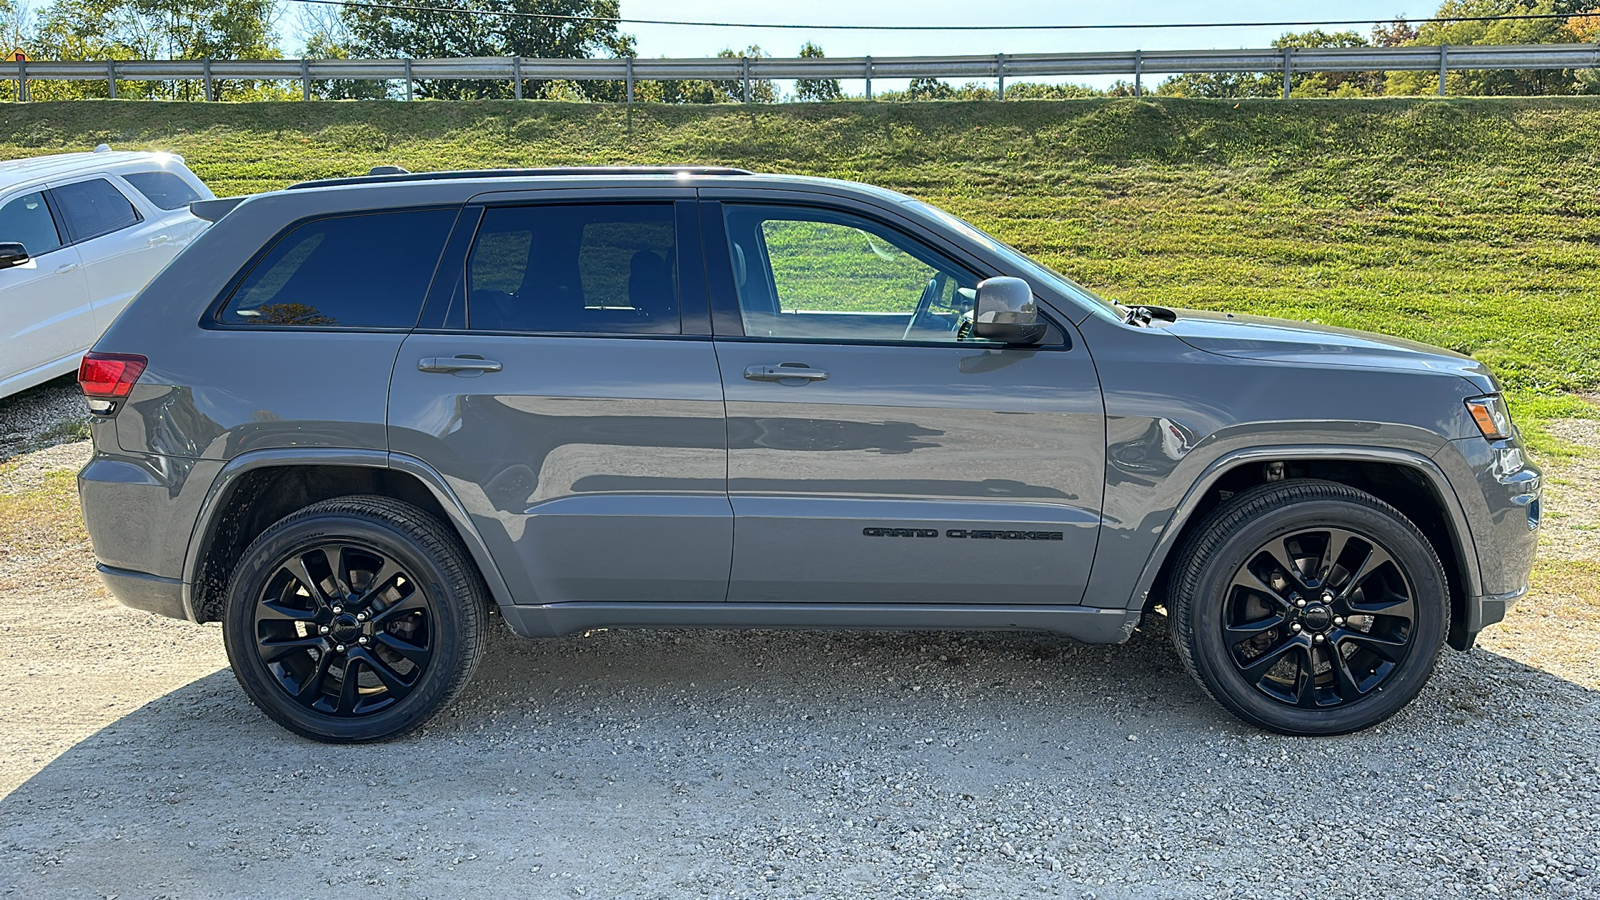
{"x":35,"y":168}
{"x":396,"y":175}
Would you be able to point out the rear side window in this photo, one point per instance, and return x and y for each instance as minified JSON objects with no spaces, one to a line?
{"x":27,"y":221}
{"x":90,"y":209}
{"x":597,"y":269}
{"x":361,"y":271}
{"x":165,"y":189}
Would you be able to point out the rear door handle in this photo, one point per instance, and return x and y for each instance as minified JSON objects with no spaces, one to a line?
{"x":457,"y":364}
{"x":160,"y":239}
{"x":784,"y":372}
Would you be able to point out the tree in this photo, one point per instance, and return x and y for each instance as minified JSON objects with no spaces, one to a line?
{"x":1233,"y":85}
{"x":1516,"y":31}
{"x":728,"y":90}
{"x":480,"y":30}
{"x":929,"y":89}
{"x":327,"y":37}
{"x":813,"y":89}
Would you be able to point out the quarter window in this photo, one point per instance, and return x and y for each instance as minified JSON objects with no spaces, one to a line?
{"x":93,"y":208}
{"x":826,"y":275}
{"x":360,"y":271}
{"x":27,"y":221}
{"x":597,"y":269}
{"x":167,"y":190}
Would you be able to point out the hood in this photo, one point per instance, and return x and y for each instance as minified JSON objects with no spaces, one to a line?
{"x":1282,"y":340}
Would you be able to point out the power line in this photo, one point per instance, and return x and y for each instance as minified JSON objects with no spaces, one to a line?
{"x":624,"y":20}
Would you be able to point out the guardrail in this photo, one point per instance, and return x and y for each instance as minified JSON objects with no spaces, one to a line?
{"x":1000,"y":66}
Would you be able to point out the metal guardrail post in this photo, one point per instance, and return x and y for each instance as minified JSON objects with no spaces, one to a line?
{"x":630,"y":79}
{"x":305,"y":80}
{"x":1444,"y":58}
{"x":205,"y":72}
{"x":408,"y":81}
{"x":111,"y":78}
{"x":869,"y":77}
{"x":1000,"y":75}
{"x":1288,"y":54}
{"x":516,"y":77}
{"x":22,"y":81}
{"x":1138,"y":73}
{"x":745,"y":66}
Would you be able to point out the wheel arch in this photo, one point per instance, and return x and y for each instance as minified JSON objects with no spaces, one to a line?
{"x":1409,"y":481}
{"x":256,"y":489}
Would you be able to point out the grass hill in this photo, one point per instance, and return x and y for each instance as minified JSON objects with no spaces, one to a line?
{"x":1473,"y":224}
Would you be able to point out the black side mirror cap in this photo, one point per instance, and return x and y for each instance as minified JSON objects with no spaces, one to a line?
{"x":12,"y":254}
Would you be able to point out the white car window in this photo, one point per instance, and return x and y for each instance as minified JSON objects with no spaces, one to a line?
{"x":27,"y":221}
{"x":165,"y":189}
{"x":93,"y":208}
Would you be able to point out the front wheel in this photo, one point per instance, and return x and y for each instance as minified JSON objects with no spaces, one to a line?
{"x":354,"y":619}
{"x":1309,"y":608}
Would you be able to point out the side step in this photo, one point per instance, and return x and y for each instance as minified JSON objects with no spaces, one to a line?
{"x":1085,"y":623}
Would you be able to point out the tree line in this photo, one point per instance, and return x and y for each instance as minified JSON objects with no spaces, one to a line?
{"x":250,"y":29}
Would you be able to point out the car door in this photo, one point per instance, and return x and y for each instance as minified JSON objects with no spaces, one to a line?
{"x":565,"y":384}
{"x":122,"y":248}
{"x":877,"y":452}
{"x":45,"y":317}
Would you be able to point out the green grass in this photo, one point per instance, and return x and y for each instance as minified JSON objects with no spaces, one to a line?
{"x":1473,"y":224}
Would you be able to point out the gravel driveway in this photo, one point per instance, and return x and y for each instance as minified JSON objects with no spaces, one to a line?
{"x":688,"y":764}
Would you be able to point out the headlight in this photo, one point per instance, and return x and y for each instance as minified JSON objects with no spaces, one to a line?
{"x":1491,"y":416}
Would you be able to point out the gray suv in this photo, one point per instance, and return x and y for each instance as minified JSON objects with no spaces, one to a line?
{"x":359,"y":417}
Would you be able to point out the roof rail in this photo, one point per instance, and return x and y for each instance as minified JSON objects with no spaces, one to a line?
{"x":403,"y":177}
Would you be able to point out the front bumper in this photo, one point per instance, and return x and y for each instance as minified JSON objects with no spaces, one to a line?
{"x":1501,"y":495}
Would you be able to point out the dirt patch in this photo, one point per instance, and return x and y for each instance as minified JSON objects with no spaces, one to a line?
{"x":41,"y":416}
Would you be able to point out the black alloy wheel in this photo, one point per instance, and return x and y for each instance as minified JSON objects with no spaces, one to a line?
{"x":344,"y":629}
{"x":1309,"y":607}
{"x":354,"y":619}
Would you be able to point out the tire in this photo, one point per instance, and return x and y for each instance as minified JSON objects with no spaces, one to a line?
{"x":1292,"y":648}
{"x":362,"y":585}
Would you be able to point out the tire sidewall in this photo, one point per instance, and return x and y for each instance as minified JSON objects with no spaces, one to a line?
{"x":263,"y":558}
{"x":1407,"y":546}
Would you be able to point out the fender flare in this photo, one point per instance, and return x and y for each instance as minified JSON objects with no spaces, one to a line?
{"x":1455,"y":517}
{"x":227,"y":480}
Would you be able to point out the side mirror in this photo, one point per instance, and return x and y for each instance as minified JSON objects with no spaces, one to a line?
{"x":1006,"y":312}
{"x":12,"y":254}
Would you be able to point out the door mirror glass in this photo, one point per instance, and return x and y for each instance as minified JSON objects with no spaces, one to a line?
{"x":12,"y":254}
{"x":1006,"y":311}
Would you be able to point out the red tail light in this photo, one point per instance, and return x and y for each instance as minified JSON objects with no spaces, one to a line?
{"x":110,"y":376}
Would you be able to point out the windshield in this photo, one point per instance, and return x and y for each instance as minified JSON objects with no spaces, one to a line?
{"x":1091,"y":301}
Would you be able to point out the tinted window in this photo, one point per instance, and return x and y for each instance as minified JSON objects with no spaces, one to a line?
{"x":27,"y":221}
{"x":363,"y":271}
{"x":819,"y":274}
{"x":165,"y":189}
{"x":92,"y":208}
{"x":603,"y":269}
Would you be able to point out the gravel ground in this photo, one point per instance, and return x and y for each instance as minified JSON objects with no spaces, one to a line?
{"x":782,"y":764}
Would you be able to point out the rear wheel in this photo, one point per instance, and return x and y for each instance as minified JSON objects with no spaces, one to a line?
{"x":1310,"y":608}
{"x":355,"y":619}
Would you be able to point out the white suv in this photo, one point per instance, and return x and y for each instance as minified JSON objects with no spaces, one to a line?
{"x":80,"y":234}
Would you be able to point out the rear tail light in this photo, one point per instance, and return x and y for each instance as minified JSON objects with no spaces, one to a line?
{"x":108,"y":377}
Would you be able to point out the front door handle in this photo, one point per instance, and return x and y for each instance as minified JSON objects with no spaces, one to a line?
{"x":63,"y":269}
{"x":457,"y":364}
{"x":785,"y":372}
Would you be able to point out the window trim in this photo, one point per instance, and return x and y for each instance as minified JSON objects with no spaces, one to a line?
{"x":65,"y":221}
{"x":694,"y":322}
{"x":211,"y":318}
{"x":727,"y":315}
{"x":50,"y":207}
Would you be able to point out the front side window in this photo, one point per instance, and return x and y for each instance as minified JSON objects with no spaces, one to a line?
{"x":27,"y":221}
{"x":596,"y":269}
{"x":826,"y":275}
{"x":93,"y":208}
{"x":360,"y":271}
{"x":166,"y":190}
